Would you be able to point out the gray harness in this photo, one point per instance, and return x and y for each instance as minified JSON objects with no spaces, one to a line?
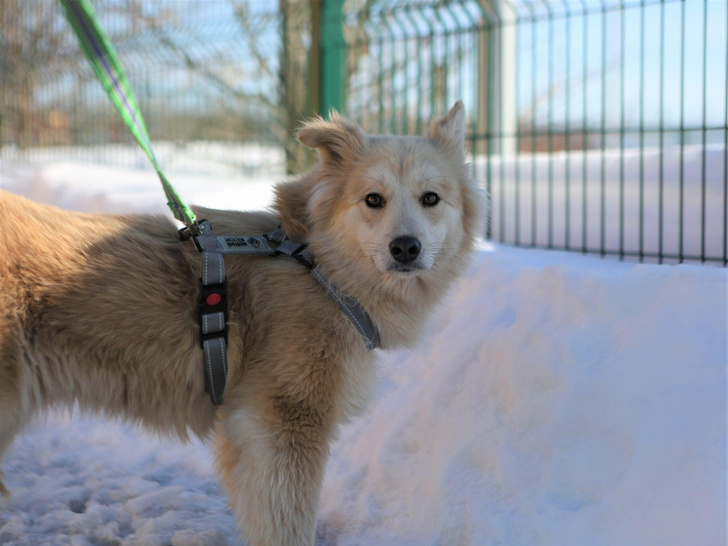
{"x":212,"y":304}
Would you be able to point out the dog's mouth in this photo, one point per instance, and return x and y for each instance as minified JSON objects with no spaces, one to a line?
{"x":412,"y":269}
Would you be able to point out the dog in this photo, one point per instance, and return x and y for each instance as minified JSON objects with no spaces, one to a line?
{"x":100,"y":311}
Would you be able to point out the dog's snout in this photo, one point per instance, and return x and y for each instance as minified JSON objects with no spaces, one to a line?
{"x":405,"y":249}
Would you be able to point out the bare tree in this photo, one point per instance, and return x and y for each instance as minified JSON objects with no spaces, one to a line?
{"x":31,"y":37}
{"x":260,"y":76}
{"x":279,"y":71}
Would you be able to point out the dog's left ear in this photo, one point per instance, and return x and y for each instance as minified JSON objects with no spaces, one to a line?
{"x":337,"y":140}
{"x":451,"y":127}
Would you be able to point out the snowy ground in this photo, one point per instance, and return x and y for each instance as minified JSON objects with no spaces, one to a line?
{"x":555,"y":399}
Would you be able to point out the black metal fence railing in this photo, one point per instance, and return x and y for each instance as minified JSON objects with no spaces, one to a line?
{"x":598,"y":127}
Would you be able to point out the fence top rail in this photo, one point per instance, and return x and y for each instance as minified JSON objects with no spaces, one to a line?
{"x":420,"y":18}
{"x":155,"y":33}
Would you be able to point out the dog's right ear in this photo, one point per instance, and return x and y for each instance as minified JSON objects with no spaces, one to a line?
{"x":337,"y":140}
{"x":451,"y":127}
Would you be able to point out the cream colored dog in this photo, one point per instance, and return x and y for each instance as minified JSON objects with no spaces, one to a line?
{"x":100,"y":311}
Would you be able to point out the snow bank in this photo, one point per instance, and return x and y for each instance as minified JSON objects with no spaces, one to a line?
{"x":555,"y":399}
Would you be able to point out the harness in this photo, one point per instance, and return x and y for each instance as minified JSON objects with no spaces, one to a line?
{"x":212,"y":306}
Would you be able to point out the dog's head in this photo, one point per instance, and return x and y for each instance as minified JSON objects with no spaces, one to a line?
{"x":384,"y":207}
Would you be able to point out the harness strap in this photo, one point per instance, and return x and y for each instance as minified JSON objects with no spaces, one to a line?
{"x":357,"y":314}
{"x":212,"y":318}
{"x":212,"y":305}
{"x":353,"y":309}
{"x":251,"y":245}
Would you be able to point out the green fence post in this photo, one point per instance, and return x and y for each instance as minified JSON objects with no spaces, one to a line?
{"x":332,"y":75}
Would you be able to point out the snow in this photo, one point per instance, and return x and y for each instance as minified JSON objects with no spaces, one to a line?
{"x":555,"y":399}
{"x":86,"y":481}
{"x":92,"y":187}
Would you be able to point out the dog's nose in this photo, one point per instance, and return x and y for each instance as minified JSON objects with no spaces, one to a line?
{"x":405,"y":249}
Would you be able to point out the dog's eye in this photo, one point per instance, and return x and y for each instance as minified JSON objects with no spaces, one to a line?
{"x":374,"y":200}
{"x":430,"y":199}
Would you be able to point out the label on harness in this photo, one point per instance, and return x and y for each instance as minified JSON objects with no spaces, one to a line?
{"x":236,"y":241}
{"x":234,"y":245}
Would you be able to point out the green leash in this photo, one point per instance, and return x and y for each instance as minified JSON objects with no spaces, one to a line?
{"x":108,"y":69}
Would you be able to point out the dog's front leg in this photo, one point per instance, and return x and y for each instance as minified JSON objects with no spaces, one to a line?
{"x":272,"y":463}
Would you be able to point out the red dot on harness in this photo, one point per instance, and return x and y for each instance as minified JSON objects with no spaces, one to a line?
{"x":213,"y":299}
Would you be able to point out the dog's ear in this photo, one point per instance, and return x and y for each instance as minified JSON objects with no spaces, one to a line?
{"x":337,"y":140}
{"x":451,"y":127}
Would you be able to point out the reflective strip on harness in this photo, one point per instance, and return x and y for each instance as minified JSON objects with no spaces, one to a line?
{"x":353,"y":309}
{"x":215,"y":368}
{"x":212,"y":317}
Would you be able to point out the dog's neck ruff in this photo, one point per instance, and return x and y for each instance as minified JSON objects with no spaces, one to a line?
{"x":212,"y":305}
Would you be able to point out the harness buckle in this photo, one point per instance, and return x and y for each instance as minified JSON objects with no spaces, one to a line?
{"x":213,"y":335}
{"x":292,"y":249}
{"x":304,"y":256}
{"x":212,"y":301}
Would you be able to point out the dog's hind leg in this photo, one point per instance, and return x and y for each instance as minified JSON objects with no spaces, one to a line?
{"x":11,"y":415}
{"x":272,"y":468}
{"x":6,"y":439}
{"x":10,"y":425}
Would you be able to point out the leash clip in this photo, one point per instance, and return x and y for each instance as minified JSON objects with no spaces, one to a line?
{"x":193,"y":230}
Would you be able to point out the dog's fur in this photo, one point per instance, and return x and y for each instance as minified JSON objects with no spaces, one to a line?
{"x":100,"y":311}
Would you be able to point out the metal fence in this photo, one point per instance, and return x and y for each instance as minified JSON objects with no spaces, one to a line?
{"x":205,"y":73}
{"x":596,"y":126}
{"x":600,"y":127}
